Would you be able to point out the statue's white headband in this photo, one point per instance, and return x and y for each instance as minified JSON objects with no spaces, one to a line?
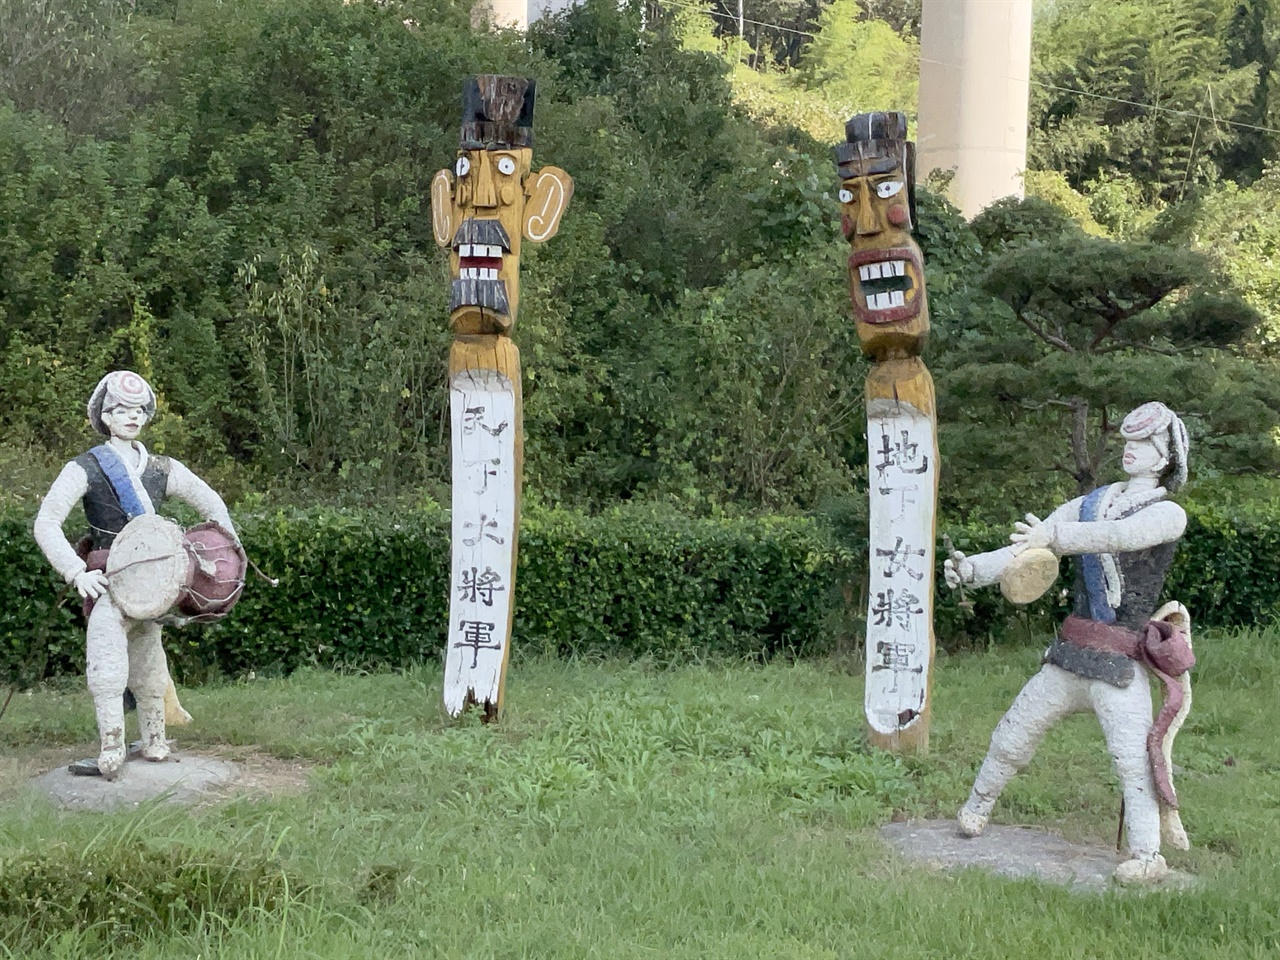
{"x":1155,"y":422}
{"x":121,"y":388}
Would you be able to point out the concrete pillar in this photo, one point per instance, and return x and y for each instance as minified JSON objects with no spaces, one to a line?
{"x":517,"y":14}
{"x":501,"y":13}
{"x":975,"y":69}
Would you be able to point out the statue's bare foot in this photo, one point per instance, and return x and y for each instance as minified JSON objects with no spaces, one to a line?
{"x":971,"y":822}
{"x":155,"y":751}
{"x":110,"y":762}
{"x":1149,"y":868}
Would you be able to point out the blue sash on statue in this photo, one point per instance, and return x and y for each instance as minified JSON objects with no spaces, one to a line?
{"x":1095,"y":580}
{"x":117,"y":475}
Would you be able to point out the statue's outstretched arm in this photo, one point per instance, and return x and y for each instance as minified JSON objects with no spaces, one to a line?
{"x":984,"y":569}
{"x":1159,"y":523}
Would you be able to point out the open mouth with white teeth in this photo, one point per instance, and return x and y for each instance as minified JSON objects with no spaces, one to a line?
{"x":479,"y":261}
{"x":887,"y":286}
{"x":480,"y":245}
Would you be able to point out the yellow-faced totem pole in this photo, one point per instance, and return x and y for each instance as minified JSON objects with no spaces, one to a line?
{"x":480,"y":210}
{"x":876,"y":165}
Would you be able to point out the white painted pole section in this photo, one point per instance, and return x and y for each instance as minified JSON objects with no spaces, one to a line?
{"x":483,"y":410}
{"x":975,"y":70}
{"x":902,"y":467}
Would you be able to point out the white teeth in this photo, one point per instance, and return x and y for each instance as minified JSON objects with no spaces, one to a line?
{"x":885,"y":269}
{"x":888,"y":268}
{"x":478,"y":250}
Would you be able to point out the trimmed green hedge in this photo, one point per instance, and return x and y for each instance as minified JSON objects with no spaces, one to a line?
{"x":366,"y":589}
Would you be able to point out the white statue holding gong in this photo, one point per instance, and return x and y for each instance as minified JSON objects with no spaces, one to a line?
{"x":1122,"y":537}
{"x":134,"y":565}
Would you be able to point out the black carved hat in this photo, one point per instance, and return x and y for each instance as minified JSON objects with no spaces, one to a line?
{"x":497,"y":112}
{"x":877,"y":143}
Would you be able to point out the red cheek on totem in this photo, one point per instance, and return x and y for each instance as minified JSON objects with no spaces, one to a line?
{"x":846,"y":225}
{"x":897,"y":215}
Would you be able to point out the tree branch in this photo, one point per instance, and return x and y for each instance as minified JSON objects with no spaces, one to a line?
{"x":1043,"y":334}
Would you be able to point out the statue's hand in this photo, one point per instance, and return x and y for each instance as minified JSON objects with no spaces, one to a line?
{"x":90,"y":584}
{"x":956,"y":570}
{"x":1032,"y":533}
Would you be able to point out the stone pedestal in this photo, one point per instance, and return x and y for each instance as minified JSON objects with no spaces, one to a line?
{"x":184,"y":780}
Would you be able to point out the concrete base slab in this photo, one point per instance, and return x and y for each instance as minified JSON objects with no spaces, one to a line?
{"x":1018,"y":852}
{"x":183,"y":779}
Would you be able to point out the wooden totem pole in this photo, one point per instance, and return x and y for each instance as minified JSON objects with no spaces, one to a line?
{"x":876,"y":164}
{"x":480,"y":210}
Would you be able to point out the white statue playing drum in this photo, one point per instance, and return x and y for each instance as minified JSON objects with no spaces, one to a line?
{"x":1122,"y":537}
{"x":135,"y":565}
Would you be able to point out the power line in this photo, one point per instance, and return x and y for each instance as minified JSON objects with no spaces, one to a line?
{"x":1154,"y":108}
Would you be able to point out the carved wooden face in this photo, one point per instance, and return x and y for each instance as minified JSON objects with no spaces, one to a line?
{"x":480,"y":210}
{"x":886,"y":270}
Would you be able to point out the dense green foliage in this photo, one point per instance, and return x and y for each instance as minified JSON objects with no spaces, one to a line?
{"x":253,"y":237}
{"x":244,"y":220}
{"x":245,"y":223}
{"x":366,"y":588}
{"x":1099,"y":327}
{"x":1121,"y":88}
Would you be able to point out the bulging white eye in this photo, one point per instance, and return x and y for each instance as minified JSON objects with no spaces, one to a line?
{"x":846,"y":196}
{"x":888,"y":188}
{"x":463,"y":166}
{"x":506,"y":165}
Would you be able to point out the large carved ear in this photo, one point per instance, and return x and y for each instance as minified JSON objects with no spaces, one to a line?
{"x":549,"y":192}
{"x":442,"y":207}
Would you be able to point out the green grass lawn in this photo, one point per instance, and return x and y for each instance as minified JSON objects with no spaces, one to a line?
{"x":625,"y":810}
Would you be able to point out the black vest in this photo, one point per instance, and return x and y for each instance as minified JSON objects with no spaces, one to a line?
{"x":1142,"y":575}
{"x":106,"y":517}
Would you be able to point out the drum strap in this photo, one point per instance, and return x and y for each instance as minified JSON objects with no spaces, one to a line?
{"x":117,"y":475}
